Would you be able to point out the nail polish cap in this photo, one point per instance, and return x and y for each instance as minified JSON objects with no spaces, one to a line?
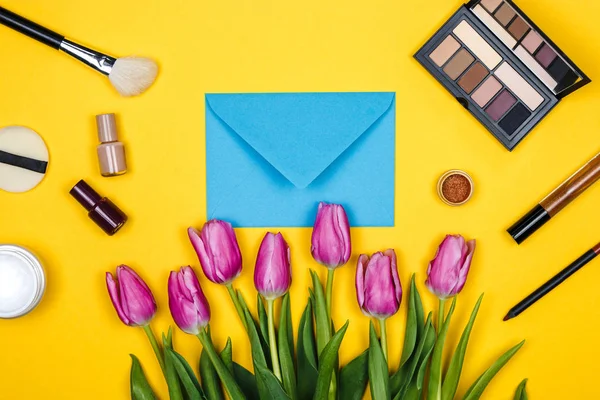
{"x":107,"y":128}
{"x":85,"y":195}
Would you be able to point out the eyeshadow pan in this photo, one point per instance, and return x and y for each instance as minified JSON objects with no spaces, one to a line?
{"x":518,"y":28}
{"x":532,"y":41}
{"x":444,"y":51}
{"x":535,"y":67}
{"x":486,"y":91}
{"x":505,"y":14}
{"x":514,"y":119}
{"x":491,"y":5}
{"x":546,"y":55}
{"x":562,"y":73}
{"x":494,"y":26}
{"x":519,"y":86}
{"x":478,"y":45}
{"x":473,"y":77}
{"x":459,"y":63}
{"x":500,"y":105}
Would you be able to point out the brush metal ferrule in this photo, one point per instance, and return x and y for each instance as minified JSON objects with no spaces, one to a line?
{"x":99,"y":61}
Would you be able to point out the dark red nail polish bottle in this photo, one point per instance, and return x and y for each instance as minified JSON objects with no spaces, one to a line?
{"x":100,"y":209}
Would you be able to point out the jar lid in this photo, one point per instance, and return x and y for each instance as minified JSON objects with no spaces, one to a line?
{"x":22,"y":281}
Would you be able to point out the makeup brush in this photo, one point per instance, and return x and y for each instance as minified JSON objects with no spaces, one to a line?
{"x":129,"y":75}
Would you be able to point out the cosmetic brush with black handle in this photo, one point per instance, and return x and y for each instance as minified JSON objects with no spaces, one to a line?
{"x":129,"y":75}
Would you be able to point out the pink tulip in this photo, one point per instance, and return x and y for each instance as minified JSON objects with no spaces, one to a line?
{"x":331,"y":236}
{"x":378,"y":287}
{"x":272,"y":274}
{"x":218,"y":251}
{"x":447,"y":272}
{"x":188,"y":305}
{"x":131,"y":297}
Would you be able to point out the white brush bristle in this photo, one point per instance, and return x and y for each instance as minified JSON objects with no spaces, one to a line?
{"x":133,"y":75}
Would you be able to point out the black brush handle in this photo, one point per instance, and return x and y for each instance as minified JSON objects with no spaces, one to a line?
{"x":30,"y":29}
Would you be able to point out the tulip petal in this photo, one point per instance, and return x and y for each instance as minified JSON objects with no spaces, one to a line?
{"x":202,"y":250}
{"x":361,"y":267}
{"x":113,"y":292}
{"x":396,"y":279}
{"x":136,"y":298}
{"x":445,"y":267}
{"x":344,"y":228}
{"x":330,"y":241}
{"x":380,"y":298}
{"x":188,"y":305}
{"x":466,"y":266}
{"x":272,"y":273}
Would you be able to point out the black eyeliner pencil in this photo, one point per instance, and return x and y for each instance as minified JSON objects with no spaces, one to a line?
{"x":554,"y":282}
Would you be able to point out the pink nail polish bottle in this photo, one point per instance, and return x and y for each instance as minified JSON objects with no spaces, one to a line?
{"x":111,"y":152}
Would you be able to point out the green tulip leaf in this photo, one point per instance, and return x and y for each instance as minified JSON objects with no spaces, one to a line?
{"x":476,"y":390}
{"x":435,"y":373}
{"x":426,"y":353}
{"x":227,"y":355}
{"x":378,"y":368}
{"x":247,"y":381}
{"x":456,"y":363}
{"x":173,"y":384}
{"x":187,"y":378}
{"x":170,"y":337}
{"x":354,"y":378}
{"x":210,"y":379}
{"x":411,"y":367}
{"x":327,"y":363}
{"x":420,"y":312}
{"x":412,"y":334}
{"x":521,"y":393}
{"x":267,"y":383}
{"x":231,"y":387}
{"x":264,"y":343}
{"x":140,"y":388}
{"x":286,"y":348}
{"x":320,"y":309}
{"x":410,"y":337}
{"x":307,"y":355}
{"x":263,"y":319}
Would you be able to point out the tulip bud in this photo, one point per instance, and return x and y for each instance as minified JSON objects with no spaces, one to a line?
{"x":188,"y":305}
{"x":131,"y":297}
{"x":218,"y":251}
{"x":331,"y":236}
{"x":447,"y":272}
{"x":272,"y":274}
{"x":378,"y":287}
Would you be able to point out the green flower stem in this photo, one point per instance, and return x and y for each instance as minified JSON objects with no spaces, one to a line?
{"x":328,"y":300}
{"x":330,"y":272}
{"x":157,"y":351}
{"x":273,"y":340}
{"x":237,"y":304}
{"x":231,"y":387}
{"x":383,"y":339}
{"x":441,"y":313}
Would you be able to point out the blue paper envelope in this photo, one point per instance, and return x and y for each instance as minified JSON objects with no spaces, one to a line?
{"x":271,"y":158}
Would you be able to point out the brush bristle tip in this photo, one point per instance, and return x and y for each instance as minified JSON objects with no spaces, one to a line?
{"x":132,"y":76}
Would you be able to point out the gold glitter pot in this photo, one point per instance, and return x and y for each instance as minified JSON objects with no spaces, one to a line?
{"x":455,"y":187}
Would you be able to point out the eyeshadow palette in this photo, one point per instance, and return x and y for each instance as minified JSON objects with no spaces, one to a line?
{"x":501,"y":67}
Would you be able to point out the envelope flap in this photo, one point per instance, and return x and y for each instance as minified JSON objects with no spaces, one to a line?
{"x":300,"y":134}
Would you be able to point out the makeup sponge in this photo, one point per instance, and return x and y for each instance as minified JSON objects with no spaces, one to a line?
{"x":23,"y":159}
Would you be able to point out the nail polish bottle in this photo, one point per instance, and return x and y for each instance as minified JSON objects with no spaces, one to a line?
{"x":100,"y":209}
{"x":111,"y":152}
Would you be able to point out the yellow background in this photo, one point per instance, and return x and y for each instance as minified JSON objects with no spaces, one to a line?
{"x":74,"y":347}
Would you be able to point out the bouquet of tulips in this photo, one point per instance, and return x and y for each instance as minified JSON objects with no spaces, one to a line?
{"x":309,"y":368}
